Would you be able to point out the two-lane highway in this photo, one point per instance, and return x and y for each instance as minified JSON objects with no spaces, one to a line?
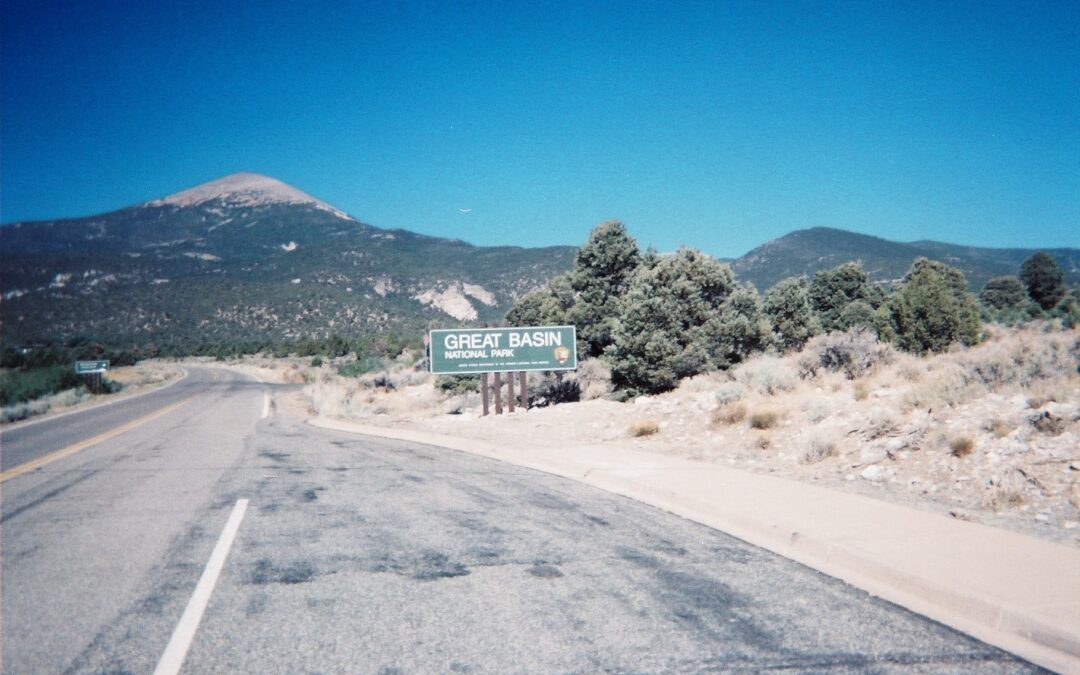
{"x":359,"y":555}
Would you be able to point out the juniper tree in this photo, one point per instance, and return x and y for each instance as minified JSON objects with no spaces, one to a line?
{"x":664,"y":331}
{"x":1005,"y":292}
{"x":1044,"y":280}
{"x":739,"y":329}
{"x":603,"y":268}
{"x":834,"y":289}
{"x":548,"y":306}
{"x":931,"y":309}
{"x":787,"y":307}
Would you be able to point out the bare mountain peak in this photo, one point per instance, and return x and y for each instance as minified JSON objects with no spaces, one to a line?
{"x":245,"y":189}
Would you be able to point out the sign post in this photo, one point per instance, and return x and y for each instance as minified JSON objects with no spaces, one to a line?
{"x":468,"y":351}
{"x":90,"y":367}
{"x":94,"y":369}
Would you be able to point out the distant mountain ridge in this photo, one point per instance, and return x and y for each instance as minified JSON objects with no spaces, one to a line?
{"x":804,"y":252}
{"x":248,"y":257}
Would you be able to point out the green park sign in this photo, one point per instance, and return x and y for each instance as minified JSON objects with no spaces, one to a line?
{"x":89,"y":367}
{"x":466,"y":351}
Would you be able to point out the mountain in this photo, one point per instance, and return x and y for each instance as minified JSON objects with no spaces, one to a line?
{"x":807,"y":251}
{"x":248,"y":257}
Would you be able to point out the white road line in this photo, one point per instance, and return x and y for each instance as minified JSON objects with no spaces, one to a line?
{"x":266,"y":406}
{"x":178,"y":646}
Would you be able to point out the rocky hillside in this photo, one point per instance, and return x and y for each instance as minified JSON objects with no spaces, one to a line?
{"x":248,"y":257}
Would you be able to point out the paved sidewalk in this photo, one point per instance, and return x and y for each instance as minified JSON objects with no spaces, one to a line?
{"x":1016,"y":592}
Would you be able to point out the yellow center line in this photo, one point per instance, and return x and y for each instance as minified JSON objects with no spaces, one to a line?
{"x":82,"y":445}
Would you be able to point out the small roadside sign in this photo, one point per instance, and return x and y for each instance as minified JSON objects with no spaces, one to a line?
{"x":464,"y":351}
{"x":89,"y":367}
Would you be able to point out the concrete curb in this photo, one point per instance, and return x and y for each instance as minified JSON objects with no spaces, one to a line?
{"x":960,"y":574}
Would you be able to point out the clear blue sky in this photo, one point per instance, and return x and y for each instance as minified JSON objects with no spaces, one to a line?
{"x":717,"y":125}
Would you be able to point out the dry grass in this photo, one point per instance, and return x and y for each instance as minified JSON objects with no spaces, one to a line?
{"x":644,"y":428}
{"x":728,"y":414}
{"x":861,"y":391}
{"x":997,"y":427}
{"x":764,"y":419}
{"x":818,"y":448}
{"x":768,"y":375}
{"x":961,"y":446}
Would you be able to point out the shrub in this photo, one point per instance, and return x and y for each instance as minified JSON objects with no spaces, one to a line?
{"x":764,"y":419}
{"x":832,"y":290}
{"x":594,"y":378}
{"x":818,"y":447}
{"x":768,"y":375}
{"x":1005,"y":292}
{"x":361,"y":366}
{"x":729,"y":392}
{"x":961,"y":446}
{"x":19,"y":386}
{"x":316,"y":362}
{"x":661,"y":335}
{"x":1044,"y":279}
{"x":452,"y":385}
{"x":787,"y":308}
{"x":644,"y":428}
{"x":729,"y":413}
{"x":738,"y":330}
{"x":931,"y":309}
{"x":549,"y":306}
{"x":553,"y":389}
{"x":854,"y":353}
{"x":603,"y":269}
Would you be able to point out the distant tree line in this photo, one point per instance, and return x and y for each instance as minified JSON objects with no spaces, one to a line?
{"x":657,"y":319}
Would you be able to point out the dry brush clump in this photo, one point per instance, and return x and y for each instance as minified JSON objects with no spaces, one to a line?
{"x":818,"y":447}
{"x":644,"y":428}
{"x":768,"y":375}
{"x":764,"y":419}
{"x":855,"y":353}
{"x":729,"y":413}
{"x":1020,"y":360}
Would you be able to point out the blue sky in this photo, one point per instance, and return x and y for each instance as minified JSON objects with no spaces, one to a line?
{"x":717,"y":125}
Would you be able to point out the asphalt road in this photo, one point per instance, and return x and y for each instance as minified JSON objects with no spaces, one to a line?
{"x":360,"y":555}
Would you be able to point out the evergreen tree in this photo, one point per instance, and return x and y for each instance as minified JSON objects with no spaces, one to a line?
{"x":834,"y":289}
{"x":787,"y":307}
{"x":856,"y":314}
{"x":739,"y":329}
{"x":669,"y":322}
{"x":1044,"y":280}
{"x":549,"y":306}
{"x":600,"y":279}
{"x":1005,"y":292}
{"x":931,"y":309}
